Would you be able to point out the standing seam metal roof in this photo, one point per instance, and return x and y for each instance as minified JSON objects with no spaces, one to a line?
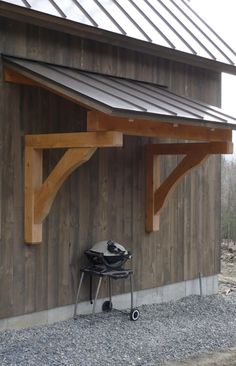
{"x":115,"y":95}
{"x":170,"y":23}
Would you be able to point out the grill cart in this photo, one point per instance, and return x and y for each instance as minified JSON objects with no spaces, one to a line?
{"x":107,"y":259}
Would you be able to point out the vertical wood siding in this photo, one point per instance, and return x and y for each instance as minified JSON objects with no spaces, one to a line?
{"x":105,"y":197}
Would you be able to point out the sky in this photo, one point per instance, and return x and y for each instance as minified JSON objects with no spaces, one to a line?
{"x":220,"y":15}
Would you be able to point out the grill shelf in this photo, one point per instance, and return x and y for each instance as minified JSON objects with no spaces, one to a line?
{"x":101,"y":272}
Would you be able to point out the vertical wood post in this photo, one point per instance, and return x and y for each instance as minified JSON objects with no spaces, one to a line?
{"x":33,"y":181}
{"x":152,"y":183}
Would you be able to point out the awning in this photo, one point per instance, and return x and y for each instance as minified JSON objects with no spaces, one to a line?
{"x":111,"y":103}
{"x":120,"y":97}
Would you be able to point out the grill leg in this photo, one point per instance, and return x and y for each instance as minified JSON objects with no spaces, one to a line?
{"x":131,"y":290}
{"x":109,"y":288}
{"x":96,"y":295}
{"x":77,"y":296}
{"x":91,"y":289}
{"x":200,"y":283}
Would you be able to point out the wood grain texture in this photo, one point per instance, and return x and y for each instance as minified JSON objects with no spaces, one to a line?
{"x":74,"y":140}
{"x":33,"y":182}
{"x":152,"y":222}
{"x":219,"y":147}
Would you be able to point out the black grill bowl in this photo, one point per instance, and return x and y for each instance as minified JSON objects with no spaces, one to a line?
{"x":110,"y":261}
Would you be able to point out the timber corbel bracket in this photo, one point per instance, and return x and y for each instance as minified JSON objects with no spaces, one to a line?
{"x":40,"y":195}
{"x":158,"y":193}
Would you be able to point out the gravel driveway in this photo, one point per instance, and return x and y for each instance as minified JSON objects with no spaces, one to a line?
{"x":170,"y":331}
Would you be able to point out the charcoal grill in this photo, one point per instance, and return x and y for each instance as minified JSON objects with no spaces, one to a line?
{"x":108,"y":253}
{"x":107,"y":259}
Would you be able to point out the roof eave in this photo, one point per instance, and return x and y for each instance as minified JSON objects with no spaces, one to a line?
{"x":85,"y":31}
{"x":174,"y":119}
{"x":91,"y":103}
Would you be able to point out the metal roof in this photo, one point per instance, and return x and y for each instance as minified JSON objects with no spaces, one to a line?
{"x":171,"y":24}
{"x":119,"y":96}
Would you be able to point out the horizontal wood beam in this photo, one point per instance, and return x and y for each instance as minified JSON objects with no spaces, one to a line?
{"x":75,"y":139}
{"x":217,"y":147}
{"x":98,"y":121}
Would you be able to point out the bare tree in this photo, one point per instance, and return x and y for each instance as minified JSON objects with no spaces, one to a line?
{"x":228,"y":203}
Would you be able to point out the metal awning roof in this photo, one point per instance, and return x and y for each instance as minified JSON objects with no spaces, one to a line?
{"x":119,"y":96}
{"x":170,"y":24}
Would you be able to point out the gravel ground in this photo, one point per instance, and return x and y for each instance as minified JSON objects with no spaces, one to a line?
{"x":170,"y":331}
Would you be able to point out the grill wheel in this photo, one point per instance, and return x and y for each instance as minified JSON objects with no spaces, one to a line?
{"x":107,"y":306}
{"x":134,"y":315}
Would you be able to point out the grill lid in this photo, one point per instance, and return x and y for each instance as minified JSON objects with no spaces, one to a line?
{"x":109,"y":248}
{"x":108,"y":253}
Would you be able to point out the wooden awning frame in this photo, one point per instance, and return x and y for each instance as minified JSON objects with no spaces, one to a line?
{"x":107,"y":131}
{"x":210,"y":141}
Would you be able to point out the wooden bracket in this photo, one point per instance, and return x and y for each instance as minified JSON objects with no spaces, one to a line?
{"x":157,"y":193}
{"x":14,"y":77}
{"x":40,"y":195}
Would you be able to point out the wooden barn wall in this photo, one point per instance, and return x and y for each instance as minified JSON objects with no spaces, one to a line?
{"x":105,"y":197}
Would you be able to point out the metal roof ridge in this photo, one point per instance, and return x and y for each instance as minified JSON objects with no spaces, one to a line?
{"x":58,"y":23}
